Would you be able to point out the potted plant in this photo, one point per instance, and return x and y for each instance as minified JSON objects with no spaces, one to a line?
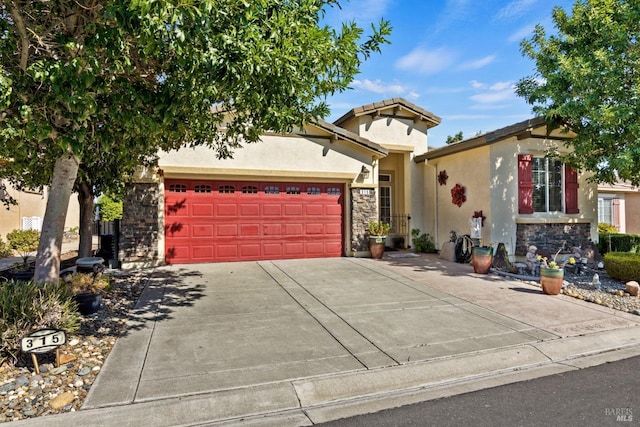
{"x":378,"y":231}
{"x":25,"y":242}
{"x":87,"y":290}
{"x":552,"y":273}
{"x":482,"y":259}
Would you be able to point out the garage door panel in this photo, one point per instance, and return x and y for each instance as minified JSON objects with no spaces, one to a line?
{"x":232,"y":221}
{"x":226,"y":230}
{"x":226,"y":209}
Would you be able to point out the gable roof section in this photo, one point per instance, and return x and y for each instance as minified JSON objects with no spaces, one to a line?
{"x":394,"y":107}
{"x":531,"y":128}
{"x":340,"y":133}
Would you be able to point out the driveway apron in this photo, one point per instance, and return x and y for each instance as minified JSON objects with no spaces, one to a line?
{"x":212,"y":327}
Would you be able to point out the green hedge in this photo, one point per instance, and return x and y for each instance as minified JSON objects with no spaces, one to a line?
{"x":617,"y":242}
{"x":622,"y":266}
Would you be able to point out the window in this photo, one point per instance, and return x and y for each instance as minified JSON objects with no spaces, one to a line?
{"x":226,"y":189}
{"x":313,"y":191}
{"x":385,"y":204}
{"x":546,"y":185}
{"x":605,"y":210}
{"x":250,"y":189}
{"x":177,"y":188}
{"x":293,"y":190}
{"x":333,"y":191}
{"x":271,"y":189}
{"x":202,"y":188}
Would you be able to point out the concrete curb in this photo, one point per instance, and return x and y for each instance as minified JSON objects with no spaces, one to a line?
{"x":307,"y":401}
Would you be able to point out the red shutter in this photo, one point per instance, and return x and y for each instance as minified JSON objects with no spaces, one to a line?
{"x":525,"y":184}
{"x":571,"y":190}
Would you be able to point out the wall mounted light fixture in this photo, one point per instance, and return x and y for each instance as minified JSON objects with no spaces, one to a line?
{"x":364,"y":172}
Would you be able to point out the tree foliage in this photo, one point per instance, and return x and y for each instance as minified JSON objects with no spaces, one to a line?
{"x":91,"y":89}
{"x":454,"y":138}
{"x":108,"y":208}
{"x":587,"y":80}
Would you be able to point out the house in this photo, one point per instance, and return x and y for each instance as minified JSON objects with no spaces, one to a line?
{"x":525,"y":197}
{"x":312,"y":193}
{"x":618,"y":205}
{"x":29,"y":209}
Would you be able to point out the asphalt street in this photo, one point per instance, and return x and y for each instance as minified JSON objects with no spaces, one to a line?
{"x":605,"y":395}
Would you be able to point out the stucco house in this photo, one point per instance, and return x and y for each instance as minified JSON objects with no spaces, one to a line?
{"x":29,"y":210}
{"x":525,"y":197}
{"x":312,"y":193}
{"x":618,"y":205}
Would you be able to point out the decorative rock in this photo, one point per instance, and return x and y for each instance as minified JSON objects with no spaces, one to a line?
{"x":632,"y":287}
{"x":61,"y":400}
{"x":58,"y":371}
{"x":22,"y":381}
{"x":84,"y":371}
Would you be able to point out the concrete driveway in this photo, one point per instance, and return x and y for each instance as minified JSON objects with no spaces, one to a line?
{"x":298,"y":342}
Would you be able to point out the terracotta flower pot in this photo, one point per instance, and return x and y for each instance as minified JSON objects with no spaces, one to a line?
{"x":551,"y":280}
{"x":481,"y":259}
{"x":376,"y":246}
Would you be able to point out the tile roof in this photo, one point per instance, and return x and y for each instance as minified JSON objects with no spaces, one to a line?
{"x":386,"y":104}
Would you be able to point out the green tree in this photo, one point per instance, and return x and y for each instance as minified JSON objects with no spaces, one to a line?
{"x":91,"y":89}
{"x":455,"y":138}
{"x":587,"y":80}
{"x":108,"y":208}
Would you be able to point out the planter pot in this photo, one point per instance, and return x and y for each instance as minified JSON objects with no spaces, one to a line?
{"x":24,"y":276}
{"x":376,"y":246}
{"x":88,"y":302}
{"x":551,"y":280}
{"x":481,"y":259}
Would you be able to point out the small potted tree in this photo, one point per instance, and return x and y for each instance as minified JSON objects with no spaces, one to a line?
{"x":87,"y":289}
{"x":25,"y":242}
{"x":378,"y":231}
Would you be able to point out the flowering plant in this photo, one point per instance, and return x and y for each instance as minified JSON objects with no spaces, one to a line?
{"x":554,"y":264}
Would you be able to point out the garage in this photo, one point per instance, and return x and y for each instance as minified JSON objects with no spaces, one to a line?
{"x":216,"y":221}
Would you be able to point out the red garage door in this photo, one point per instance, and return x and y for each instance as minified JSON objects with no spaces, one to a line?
{"x":209,"y":221}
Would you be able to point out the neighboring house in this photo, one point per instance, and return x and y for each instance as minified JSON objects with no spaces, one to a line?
{"x":29,"y":210}
{"x":618,"y":205}
{"x":526,"y":197}
{"x":313,"y":192}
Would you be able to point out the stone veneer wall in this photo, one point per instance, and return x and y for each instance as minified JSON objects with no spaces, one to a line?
{"x":548,"y":238}
{"x":363,"y":210}
{"x":139,"y":224}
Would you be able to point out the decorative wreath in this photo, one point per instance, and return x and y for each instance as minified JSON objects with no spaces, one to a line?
{"x":478,"y":214}
{"x":457,"y":195}
{"x":442,"y":177}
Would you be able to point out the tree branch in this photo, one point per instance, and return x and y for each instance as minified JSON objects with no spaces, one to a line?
{"x":24,"y":38}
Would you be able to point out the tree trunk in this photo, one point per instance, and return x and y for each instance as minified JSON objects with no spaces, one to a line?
{"x":85,"y":200}
{"x":48,"y":256}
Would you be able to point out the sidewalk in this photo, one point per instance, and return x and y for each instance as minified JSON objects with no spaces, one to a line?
{"x":298,"y":342}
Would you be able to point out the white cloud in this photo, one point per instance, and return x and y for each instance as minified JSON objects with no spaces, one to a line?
{"x":413,"y":95}
{"x":477,"y":63}
{"x":522,"y":33}
{"x":426,"y":62}
{"x":377,"y":86}
{"x":501,"y":85}
{"x":478,"y":85}
{"x":492,"y":97}
{"x":515,"y":8}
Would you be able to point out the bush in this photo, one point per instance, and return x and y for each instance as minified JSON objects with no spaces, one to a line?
{"x":604,"y":228}
{"x":617,"y":242}
{"x":26,"y":307}
{"x":24,"y":242}
{"x":622,"y":266}
{"x":422,"y":242}
{"x":5,"y":250}
{"x":378,"y":228}
{"x":108,"y":208}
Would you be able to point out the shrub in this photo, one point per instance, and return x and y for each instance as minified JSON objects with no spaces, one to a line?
{"x":5,"y":250}
{"x":108,"y":208}
{"x":422,"y":242}
{"x":24,"y":242}
{"x":622,"y":266}
{"x":378,"y":228}
{"x":618,"y":242}
{"x":604,"y":228}
{"x":26,"y":307}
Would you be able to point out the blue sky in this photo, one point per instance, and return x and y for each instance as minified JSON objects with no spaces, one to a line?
{"x":459,"y":59}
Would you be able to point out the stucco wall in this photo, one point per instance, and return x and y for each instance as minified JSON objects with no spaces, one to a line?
{"x":632,"y":208}
{"x":471,"y":170}
{"x":31,"y":204}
